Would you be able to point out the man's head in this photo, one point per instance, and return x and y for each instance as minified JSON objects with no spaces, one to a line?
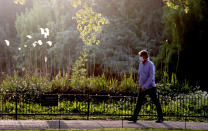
{"x":143,"y":55}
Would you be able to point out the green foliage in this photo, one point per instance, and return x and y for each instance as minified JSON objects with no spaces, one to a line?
{"x":27,"y":88}
{"x":165,"y":78}
{"x":128,"y":84}
{"x":174,"y":79}
{"x":79,"y":74}
{"x":99,"y":85}
{"x":29,"y":22}
{"x":89,"y":25}
{"x":115,"y":55}
{"x":113,"y":85}
{"x":120,"y":28}
{"x":30,"y":86}
{"x":192,"y":104}
{"x":10,"y":84}
{"x":185,"y":25}
{"x":60,"y":84}
{"x":62,"y":53}
{"x":21,"y":2}
{"x":172,"y":87}
{"x":176,"y":4}
{"x":133,"y":31}
{"x":89,"y":22}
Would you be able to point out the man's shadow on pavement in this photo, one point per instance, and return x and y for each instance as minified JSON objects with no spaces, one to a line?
{"x":139,"y":124}
{"x":164,"y":124}
{"x":57,"y":124}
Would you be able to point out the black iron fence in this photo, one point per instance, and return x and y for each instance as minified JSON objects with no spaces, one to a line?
{"x":100,"y":105}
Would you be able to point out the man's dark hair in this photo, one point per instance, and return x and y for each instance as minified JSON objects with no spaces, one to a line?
{"x":144,"y":53}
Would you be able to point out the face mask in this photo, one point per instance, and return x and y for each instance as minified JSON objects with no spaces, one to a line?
{"x":141,"y":59}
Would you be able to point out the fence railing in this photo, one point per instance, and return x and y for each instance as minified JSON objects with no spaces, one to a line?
{"x":100,"y":105}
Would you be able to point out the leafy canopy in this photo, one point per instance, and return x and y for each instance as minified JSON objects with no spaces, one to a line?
{"x":88,"y":22}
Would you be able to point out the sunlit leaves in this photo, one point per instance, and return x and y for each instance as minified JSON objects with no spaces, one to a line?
{"x":75,"y":3}
{"x":171,"y":5}
{"x":79,"y":71}
{"x":186,"y":10}
{"x":89,"y":23}
{"x":176,"y":4}
{"x":21,"y":2}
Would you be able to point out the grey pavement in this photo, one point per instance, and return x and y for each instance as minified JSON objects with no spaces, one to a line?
{"x":94,"y":124}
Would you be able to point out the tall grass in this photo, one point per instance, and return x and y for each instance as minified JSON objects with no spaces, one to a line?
{"x":30,"y":86}
{"x":62,"y":83}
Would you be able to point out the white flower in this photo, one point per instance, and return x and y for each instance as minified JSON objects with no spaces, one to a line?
{"x":40,"y":42}
{"x":29,"y":36}
{"x":46,"y":59}
{"x":49,"y":43}
{"x":25,"y":46}
{"x":34,"y":43}
{"x":44,"y":32}
{"x":7,"y":42}
{"x":19,"y":48}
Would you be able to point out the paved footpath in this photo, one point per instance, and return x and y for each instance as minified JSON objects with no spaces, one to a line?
{"x":93,"y":124}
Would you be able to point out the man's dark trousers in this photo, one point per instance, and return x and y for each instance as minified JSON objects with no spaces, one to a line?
{"x":152,"y":93}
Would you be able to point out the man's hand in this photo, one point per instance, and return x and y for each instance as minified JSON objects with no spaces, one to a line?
{"x":143,"y":89}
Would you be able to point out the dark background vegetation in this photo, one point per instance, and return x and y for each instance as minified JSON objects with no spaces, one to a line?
{"x":175,"y":39}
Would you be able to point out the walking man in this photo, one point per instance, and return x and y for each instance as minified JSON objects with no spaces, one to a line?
{"x":146,"y":74}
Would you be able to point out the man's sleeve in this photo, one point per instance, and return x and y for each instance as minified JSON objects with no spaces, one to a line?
{"x":150,"y":77}
{"x":139,"y":75}
{"x":138,"y":72}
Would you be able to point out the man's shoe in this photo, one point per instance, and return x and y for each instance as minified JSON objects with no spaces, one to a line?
{"x":131,"y":119}
{"x":159,"y":121}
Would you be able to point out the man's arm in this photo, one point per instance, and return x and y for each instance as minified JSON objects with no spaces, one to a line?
{"x":148,"y":82}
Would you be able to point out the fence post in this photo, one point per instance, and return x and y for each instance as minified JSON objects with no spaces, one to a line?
{"x":88,"y":107}
{"x":185,"y":120}
{"x":16,"y":104}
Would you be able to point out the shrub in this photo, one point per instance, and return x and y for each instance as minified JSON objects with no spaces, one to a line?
{"x":27,"y":88}
{"x":60,"y":84}
{"x":99,"y":85}
{"x":128,"y":86}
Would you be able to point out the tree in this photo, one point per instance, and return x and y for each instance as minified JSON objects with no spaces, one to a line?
{"x":8,"y":32}
{"x":129,"y":31}
{"x":185,"y":32}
